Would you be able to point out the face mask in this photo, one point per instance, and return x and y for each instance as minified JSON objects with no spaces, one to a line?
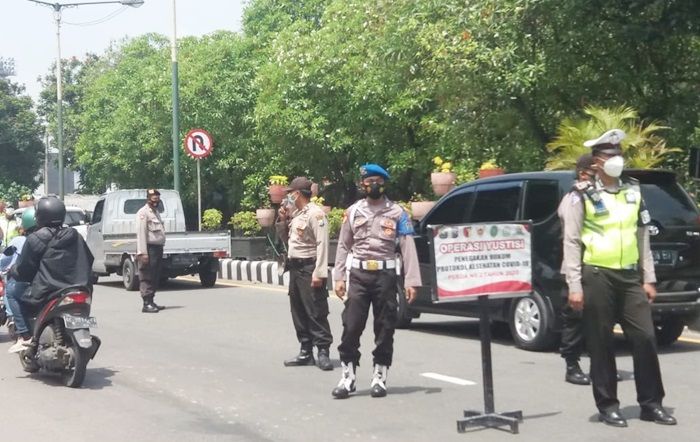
{"x":291,"y":199}
{"x":613,"y":166}
{"x":153,"y":204}
{"x":375,"y":190}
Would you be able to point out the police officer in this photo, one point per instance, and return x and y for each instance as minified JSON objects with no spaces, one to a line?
{"x":150,"y":238}
{"x":572,"y":326}
{"x":605,"y":245}
{"x":304,"y":226}
{"x":371,"y":230}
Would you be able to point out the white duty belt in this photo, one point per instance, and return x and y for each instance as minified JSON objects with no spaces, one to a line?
{"x":373,"y":265}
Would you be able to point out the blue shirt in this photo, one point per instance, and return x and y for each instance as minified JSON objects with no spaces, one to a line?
{"x":8,"y":261}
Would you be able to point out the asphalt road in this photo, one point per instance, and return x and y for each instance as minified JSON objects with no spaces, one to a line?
{"x":210,"y":368}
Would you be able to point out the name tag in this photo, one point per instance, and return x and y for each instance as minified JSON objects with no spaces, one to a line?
{"x":631,"y":197}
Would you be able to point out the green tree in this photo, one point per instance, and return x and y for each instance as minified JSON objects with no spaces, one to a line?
{"x":21,"y":149}
{"x":643,"y":147}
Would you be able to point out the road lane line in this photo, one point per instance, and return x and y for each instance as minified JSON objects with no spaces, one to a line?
{"x":450,"y":379}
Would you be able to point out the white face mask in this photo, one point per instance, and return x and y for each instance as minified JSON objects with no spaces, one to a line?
{"x":291,"y":199}
{"x":613,"y":166}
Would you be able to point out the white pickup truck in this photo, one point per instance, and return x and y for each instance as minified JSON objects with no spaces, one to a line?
{"x":111,"y":237}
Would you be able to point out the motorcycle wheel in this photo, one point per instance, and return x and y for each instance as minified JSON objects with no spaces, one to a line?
{"x":28,"y":363}
{"x":73,"y":377}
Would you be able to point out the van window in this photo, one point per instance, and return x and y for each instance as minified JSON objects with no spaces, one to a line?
{"x":74,"y":218}
{"x":453,"y":210}
{"x":541,"y":200}
{"x":97,"y":214}
{"x":496,"y":202}
{"x":133,"y":206}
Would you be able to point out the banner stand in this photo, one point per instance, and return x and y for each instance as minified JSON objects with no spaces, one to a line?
{"x":489,"y":418}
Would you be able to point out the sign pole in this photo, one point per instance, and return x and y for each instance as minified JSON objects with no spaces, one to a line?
{"x":199,"y":194}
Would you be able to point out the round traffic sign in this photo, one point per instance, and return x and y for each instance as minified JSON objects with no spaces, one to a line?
{"x":198,"y":144}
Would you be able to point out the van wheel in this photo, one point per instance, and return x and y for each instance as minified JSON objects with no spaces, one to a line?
{"x":403,"y":313}
{"x":668,"y":331}
{"x":130,"y":275}
{"x":531,"y":323}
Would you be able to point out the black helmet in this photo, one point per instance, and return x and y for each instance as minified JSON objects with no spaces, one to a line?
{"x":50,"y":212}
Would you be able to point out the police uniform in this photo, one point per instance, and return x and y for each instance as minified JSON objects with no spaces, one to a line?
{"x":604,"y":246}
{"x":370,"y":232}
{"x":150,"y":239}
{"x":307,"y":258}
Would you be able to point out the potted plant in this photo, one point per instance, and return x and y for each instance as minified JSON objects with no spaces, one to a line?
{"x":442,"y":178}
{"x":335,"y":221}
{"x":420,"y":206}
{"x":276,"y":189}
{"x":265,"y":216}
{"x":211,"y":219}
{"x":26,"y":200}
{"x":490,"y":168}
{"x":246,"y":242}
{"x":319,"y":200}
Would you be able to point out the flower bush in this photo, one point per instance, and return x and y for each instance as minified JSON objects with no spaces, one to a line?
{"x":335,"y":221}
{"x":279,"y":180}
{"x":26,"y":197}
{"x":441,"y":165}
{"x":490,"y":164}
{"x":318,"y":200}
{"x":211,"y":219}
{"x":245,"y":223}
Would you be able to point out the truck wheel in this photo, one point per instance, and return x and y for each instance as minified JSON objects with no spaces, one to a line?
{"x":531,"y":323}
{"x":668,"y":331}
{"x":208,"y":277}
{"x":403,"y":312}
{"x":130,"y":275}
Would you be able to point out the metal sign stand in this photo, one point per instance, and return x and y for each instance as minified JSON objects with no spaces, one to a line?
{"x":199,"y":194}
{"x":489,"y":418}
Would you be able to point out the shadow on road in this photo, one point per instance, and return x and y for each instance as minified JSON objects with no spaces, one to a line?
{"x":95,"y":378}
{"x":403,"y":390}
{"x":466,"y":328}
{"x":629,"y":412}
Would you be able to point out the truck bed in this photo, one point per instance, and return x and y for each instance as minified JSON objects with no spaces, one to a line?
{"x":175,"y":243}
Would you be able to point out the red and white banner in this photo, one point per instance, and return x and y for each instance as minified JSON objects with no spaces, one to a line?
{"x":481,"y":259}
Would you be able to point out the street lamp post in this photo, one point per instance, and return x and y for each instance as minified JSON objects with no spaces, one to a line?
{"x":57,"y":9}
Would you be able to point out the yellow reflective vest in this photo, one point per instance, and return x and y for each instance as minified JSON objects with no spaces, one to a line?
{"x":610,"y":239}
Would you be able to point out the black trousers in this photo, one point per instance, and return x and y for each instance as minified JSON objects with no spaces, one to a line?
{"x":612,"y":296}
{"x":571,"y":345}
{"x":149,"y":274}
{"x":309,"y":306}
{"x":377,"y":288}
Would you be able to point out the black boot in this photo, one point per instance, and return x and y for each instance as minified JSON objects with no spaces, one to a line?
{"x":324,"y":361}
{"x":305,"y":357}
{"x":574,"y":374}
{"x":159,"y":307}
{"x":149,"y":306}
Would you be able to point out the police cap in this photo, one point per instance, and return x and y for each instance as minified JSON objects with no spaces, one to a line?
{"x":608,"y":143}
{"x":300,"y":183}
{"x":369,"y":170}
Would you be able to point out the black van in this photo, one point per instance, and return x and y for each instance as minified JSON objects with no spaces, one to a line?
{"x":534,"y":320}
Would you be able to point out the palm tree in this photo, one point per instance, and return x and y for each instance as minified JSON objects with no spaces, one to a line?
{"x":643,"y":148}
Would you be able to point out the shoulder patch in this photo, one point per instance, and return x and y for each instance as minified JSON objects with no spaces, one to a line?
{"x":575,"y":198}
{"x":405,"y":226}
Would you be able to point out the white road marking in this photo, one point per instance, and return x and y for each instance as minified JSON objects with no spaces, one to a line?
{"x":450,"y":379}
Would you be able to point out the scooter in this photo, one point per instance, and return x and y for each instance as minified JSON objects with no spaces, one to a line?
{"x":62,"y":342}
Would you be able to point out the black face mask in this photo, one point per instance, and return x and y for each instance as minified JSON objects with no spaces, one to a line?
{"x":374,"y":191}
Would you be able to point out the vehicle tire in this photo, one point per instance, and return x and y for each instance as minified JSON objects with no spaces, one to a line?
{"x":74,"y":376}
{"x":130,"y":275}
{"x":531,"y":323}
{"x":208,"y":277}
{"x":668,"y":331}
{"x":94,"y":278}
{"x":28,"y":364}
{"x":403,"y":312}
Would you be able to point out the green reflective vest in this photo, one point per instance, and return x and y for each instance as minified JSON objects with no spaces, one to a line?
{"x":610,"y":239}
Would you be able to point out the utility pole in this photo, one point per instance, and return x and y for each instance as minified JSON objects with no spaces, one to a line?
{"x":176,"y":105}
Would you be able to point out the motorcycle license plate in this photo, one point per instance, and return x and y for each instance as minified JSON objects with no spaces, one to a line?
{"x":73,"y":322}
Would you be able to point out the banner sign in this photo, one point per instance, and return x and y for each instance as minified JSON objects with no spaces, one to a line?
{"x":481,"y":259}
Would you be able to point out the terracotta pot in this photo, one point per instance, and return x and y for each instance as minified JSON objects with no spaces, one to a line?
{"x":314,"y":189}
{"x":421,"y":208}
{"x":485,"y":173}
{"x":442,"y":182}
{"x":22,"y":204}
{"x":265,"y":217}
{"x":277,"y":193}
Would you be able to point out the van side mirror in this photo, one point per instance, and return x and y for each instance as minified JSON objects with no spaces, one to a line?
{"x":694,"y":163}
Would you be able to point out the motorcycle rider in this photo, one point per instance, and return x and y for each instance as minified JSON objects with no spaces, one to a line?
{"x":53,"y":258}
{"x":14,"y":288}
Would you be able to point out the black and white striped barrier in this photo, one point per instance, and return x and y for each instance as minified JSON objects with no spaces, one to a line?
{"x":265,"y":272}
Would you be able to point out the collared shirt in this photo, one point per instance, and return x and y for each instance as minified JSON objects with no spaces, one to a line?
{"x":307,"y":237}
{"x":371,"y":231}
{"x":149,"y":229}
{"x":571,"y":213}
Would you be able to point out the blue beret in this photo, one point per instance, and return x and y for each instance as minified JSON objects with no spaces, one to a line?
{"x":369,"y":170}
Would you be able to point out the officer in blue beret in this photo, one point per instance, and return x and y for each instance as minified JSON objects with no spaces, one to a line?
{"x":373,"y":229}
